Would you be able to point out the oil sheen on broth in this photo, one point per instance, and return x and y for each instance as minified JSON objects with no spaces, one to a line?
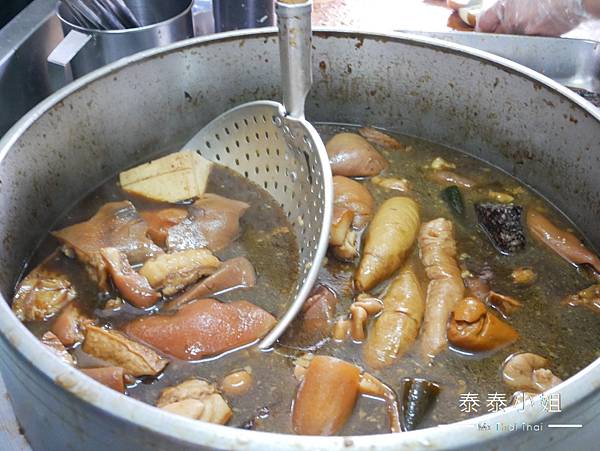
{"x":567,"y":336}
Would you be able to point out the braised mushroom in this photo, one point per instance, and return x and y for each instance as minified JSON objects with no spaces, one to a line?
{"x":237,"y":383}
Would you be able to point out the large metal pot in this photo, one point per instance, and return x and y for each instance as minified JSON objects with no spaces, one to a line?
{"x":512,"y":117}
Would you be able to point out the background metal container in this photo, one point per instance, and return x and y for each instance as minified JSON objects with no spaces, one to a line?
{"x":86,"y":49}
{"x":243,"y":14}
{"x":493,"y":109}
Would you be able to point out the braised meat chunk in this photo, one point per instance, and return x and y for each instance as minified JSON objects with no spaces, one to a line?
{"x":313,"y":324}
{"x":42,"y":294}
{"x":234,"y":273}
{"x":171,"y":273}
{"x":196,"y":399}
{"x":111,"y":376}
{"x":326,"y":396}
{"x":70,"y":324}
{"x":116,"y":224}
{"x":351,"y":155}
{"x":52,"y":343}
{"x":160,"y":220}
{"x":213,"y":222}
{"x":133,"y":287}
{"x":203,"y":328}
{"x":473,"y":328}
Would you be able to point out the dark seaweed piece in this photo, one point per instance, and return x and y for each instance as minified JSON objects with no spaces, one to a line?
{"x":417,"y":397}
{"x":502,"y":224}
{"x":453,"y":197}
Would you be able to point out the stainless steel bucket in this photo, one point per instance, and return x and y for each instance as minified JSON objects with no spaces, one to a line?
{"x":84,"y":49}
{"x":239,"y":15}
{"x":487,"y":106}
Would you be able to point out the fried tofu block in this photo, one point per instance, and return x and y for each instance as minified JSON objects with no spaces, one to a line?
{"x":173,"y":178}
{"x":118,"y":350}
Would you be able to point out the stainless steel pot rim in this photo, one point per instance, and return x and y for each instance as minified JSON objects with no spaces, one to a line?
{"x":573,"y":390}
{"x":184,"y":12}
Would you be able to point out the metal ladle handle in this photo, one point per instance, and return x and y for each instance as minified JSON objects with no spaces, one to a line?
{"x":295,"y":41}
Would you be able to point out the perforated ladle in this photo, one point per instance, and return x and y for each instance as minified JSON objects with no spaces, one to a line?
{"x":275,"y":147}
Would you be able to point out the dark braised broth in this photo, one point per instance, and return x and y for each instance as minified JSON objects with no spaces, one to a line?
{"x":567,"y":336}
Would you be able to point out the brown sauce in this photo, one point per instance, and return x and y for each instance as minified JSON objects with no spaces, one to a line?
{"x":569,"y":337}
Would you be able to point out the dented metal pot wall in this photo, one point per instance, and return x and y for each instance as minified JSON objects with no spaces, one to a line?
{"x":125,"y":112}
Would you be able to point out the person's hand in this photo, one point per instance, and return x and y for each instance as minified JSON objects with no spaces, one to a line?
{"x":532,"y":17}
